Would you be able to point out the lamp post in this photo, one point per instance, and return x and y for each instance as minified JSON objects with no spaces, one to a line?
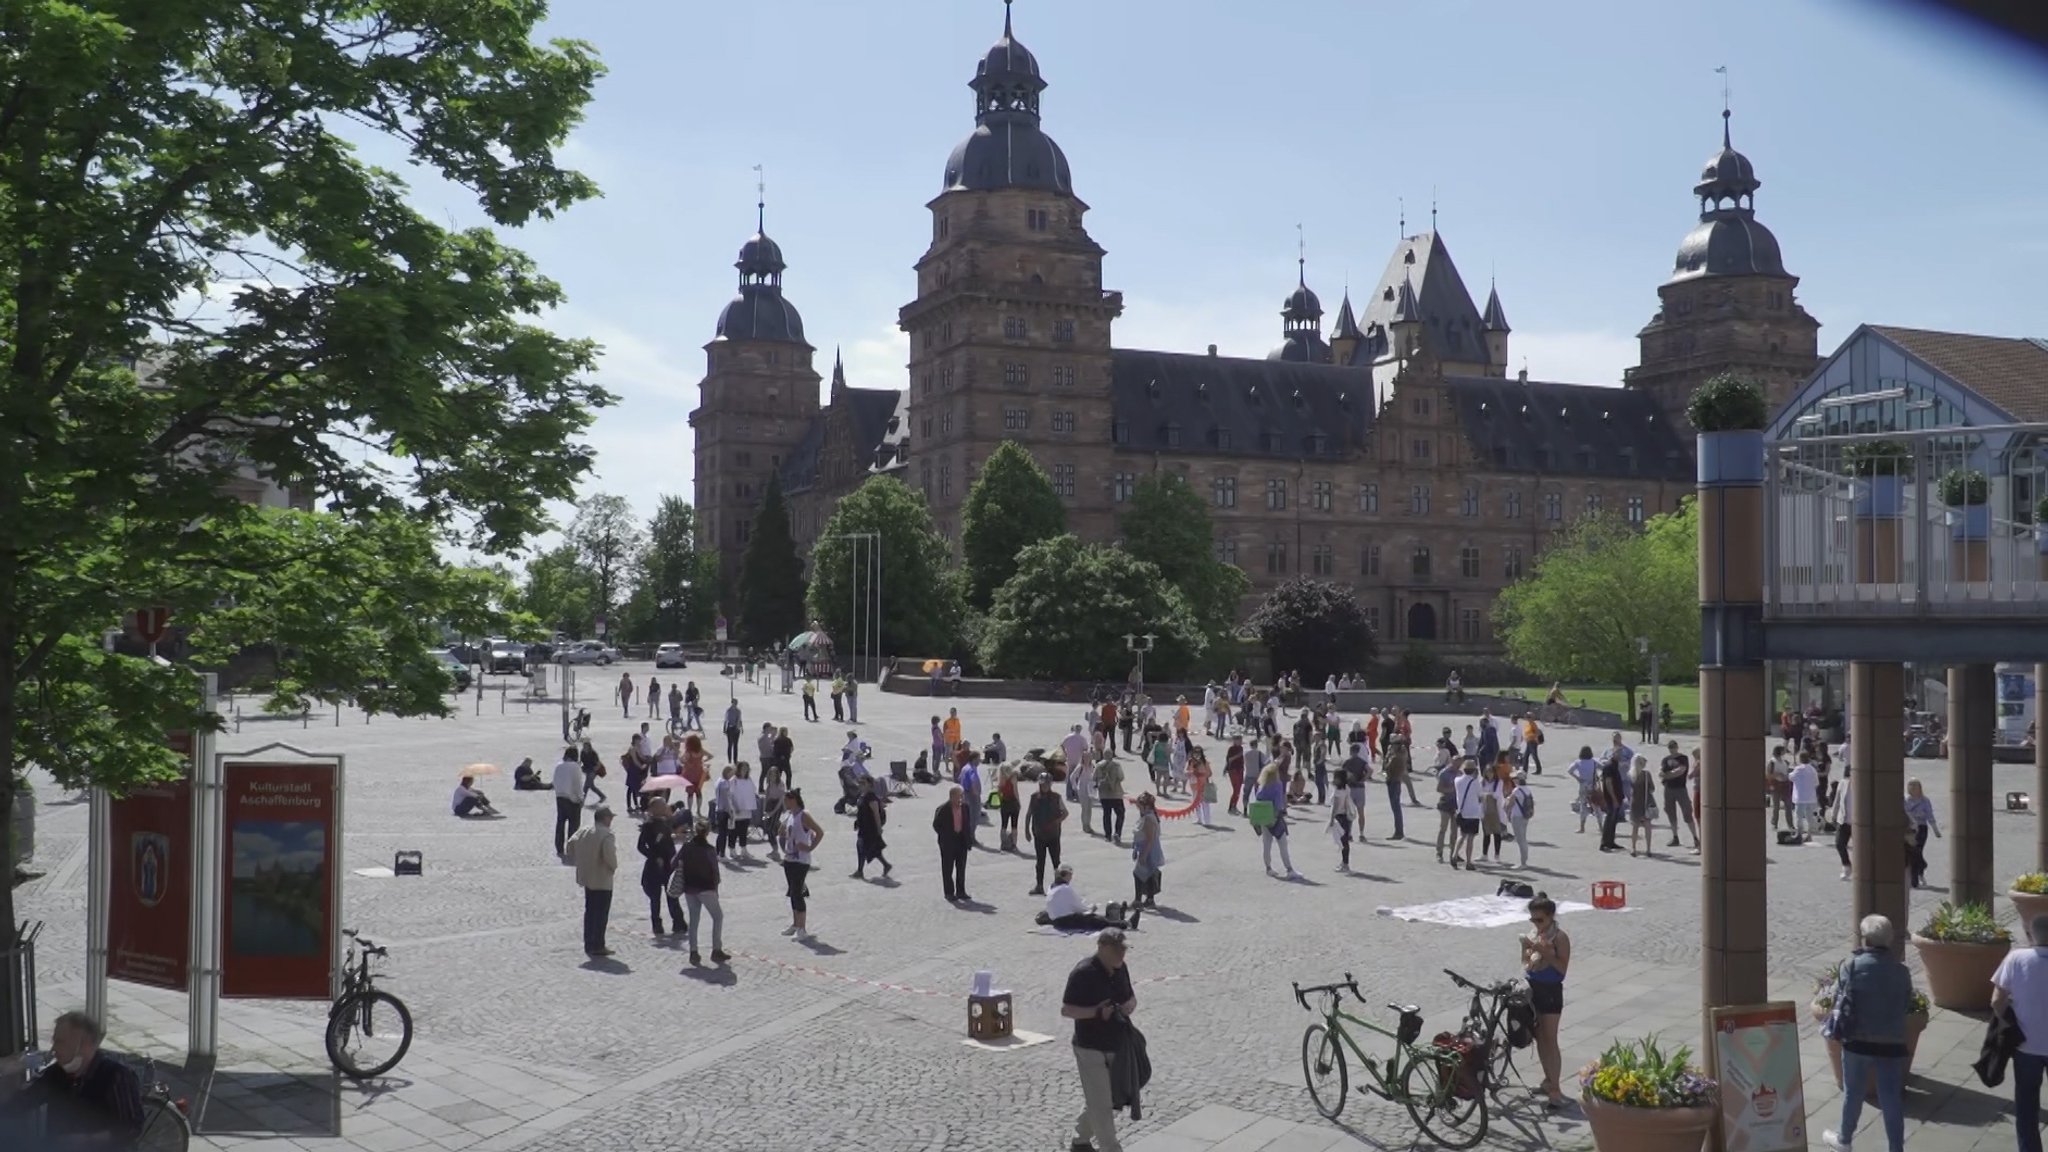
{"x":866,"y":621}
{"x":1139,"y":645}
{"x":1656,"y":711}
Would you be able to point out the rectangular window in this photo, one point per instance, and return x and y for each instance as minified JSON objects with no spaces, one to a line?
{"x":1276,"y":495}
{"x":945,"y":379}
{"x":743,"y":459}
{"x":1119,"y":432}
{"x":1323,"y":560}
{"x":1037,"y":219}
{"x":945,"y":478}
{"x":1226,"y":552}
{"x":924,"y":478}
{"x":1063,"y":331}
{"x":1014,"y":328}
{"x":744,"y":529}
{"x":1122,"y":486}
{"x":1592,"y":503}
{"x":1062,"y":376}
{"x":1276,"y":559}
{"x":946,"y":421}
{"x":1223,"y":439}
{"x":1635,"y":509}
{"x":1170,"y":435}
{"x":1016,"y":419}
{"x":1372,"y":618}
{"x":1511,"y":567}
{"x":946,"y":332}
{"x":1468,"y":562}
{"x":1063,"y":480}
{"x":925,"y":428}
{"x":1418,"y":449}
{"x":927,"y":383}
{"x":1468,"y":504}
{"x":1223,"y":491}
{"x":1468,"y":624}
{"x":1369,"y":498}
{"x":1418,"y":561}
{"x":1418,"y":500}
{"x":1511,"y":504}
{"x":1062,"y":422}
{"x":1320,"y":495}
{"x":1553,"y":506}
{"x":1420,"y":406}
{"x":1369,"y":560}
{"x":943,"y":225}
{"x":1016,"y":375}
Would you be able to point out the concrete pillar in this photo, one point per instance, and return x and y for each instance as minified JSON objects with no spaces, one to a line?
{"x":1734,"y":710}
{"x":1877,"y":763}
{"x":1972,"y":723}
{"x":2040,"y":796}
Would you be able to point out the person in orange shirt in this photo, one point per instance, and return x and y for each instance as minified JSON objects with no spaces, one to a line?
{"x":1372,"y":735}
{"x":1181,"y":716}
{"x":951,"y":728}
{"x":1532,"y":742}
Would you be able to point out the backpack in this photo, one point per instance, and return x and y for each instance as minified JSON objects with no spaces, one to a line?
{"x":1528,"y":804}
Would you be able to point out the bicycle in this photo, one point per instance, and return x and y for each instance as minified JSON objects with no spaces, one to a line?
{"x":1487,"y":1020}
{"x":355,"y":1045}
{"x":1426,"y":1078}
{"x":165,"y":1127}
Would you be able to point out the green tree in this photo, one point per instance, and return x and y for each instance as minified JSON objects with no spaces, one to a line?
{"x":1314,"y":627}
{"x":672,"y":599}
{"x":1011,"y":506}
{"x":771,"y":576}
{"x":174,"y":197}
{"x":1166,"y":524}
{"x":1063,"y":613}
{"x":921,"y":604}
{"x":608,"y":542}
{"x":1597,"y":590}
{"x":558,"y":591}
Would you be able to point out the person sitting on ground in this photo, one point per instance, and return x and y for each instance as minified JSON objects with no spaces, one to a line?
{"x":526,"y":778}
{"x":1067,"y":911}
{"x":469,"y":803}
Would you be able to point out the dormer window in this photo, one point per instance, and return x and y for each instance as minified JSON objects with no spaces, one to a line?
{"x":1169,"y":435}
{"x":1317,"y":443}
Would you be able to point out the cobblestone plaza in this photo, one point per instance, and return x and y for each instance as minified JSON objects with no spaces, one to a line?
{"x":856,"y":1038}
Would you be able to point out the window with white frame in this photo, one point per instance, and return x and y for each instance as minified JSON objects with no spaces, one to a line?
{"x":1418,"y":500}
{"x":1511,"y":562}
{"x":1511,"y":504}
{"x":1015,"y":328}
{"x":1468,"y":561}
{"x":1016,"y":419}
{"x":1015,"y":374}
{"x":1276,"y":495}
{"x":1320,"y":495}
{"x":1063,"y":331}
{"x":1368,"y":498}
{"x":1063,"y":479}
{"x":1553,"y":506}
{"x":1635,"y":509}
{"x":1369,"y":560}
{"x":1226,"y":551}
{"x":1468,"y":502}
{"x":1122,"y":486}
{"x":1223,"y":491}
{"x":1062,"y":422}
{"x":1323,"y":560}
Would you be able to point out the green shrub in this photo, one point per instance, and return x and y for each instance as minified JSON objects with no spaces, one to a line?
{"x":1729,"y":403}
{"x":1878,"y":458}
{"x":1965,"y":488}
{"x":1965,"y":924}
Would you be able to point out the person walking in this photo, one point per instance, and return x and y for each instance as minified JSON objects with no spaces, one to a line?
{"x":1520,"y":804}
{"x":1201,"y":785}
{"x":782,"y":755}
{"x":1273,"y":791}
{"x":852,"y":700}
{"x":1546,"y":955}
{"x":953,"y":824}
{"x":1470,"y":794}
{"x":2021,"y":984}
{"x":696,"y":878}
{"x":626,"y":695}
{"x":1009,"y":810}
{"x":593,"y":767}
{"x":596,"y":856}
{"x":1920,"y":815}
{"x":657,"y":848}
{"x":1047,"y":812}
{"x":745,"y":800}
{"x":1447,"y":777}
{"x":1099,"y":1000}
{"x":1109,"y":791}
{"x":869,"y":816}
{"x":838,"y":699}
{"x":1148,"y":853}
{"x":1642,"y":809}
{"x":1341,"y":812}
{"x":1532,"y":743}
{"x":1399,"y":767}
{"x":1675,"y":773}
{"x":800,"y":837}
{"x":1612,"y":799}
{"x":1844,"y":808}
{"x":1082,"y":783}
{"x":568,"y":788}
{"x":1878,"y":991}
{"x":1233,"y":769}
{"x":653,"y":697}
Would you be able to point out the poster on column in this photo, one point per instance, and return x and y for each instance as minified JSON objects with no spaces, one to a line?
{"x":1756,"y":1061}
{"x":279,"y":903}
{"x":149,"y":885}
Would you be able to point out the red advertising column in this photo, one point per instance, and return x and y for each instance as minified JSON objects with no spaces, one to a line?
{"x":279,"y":917}
{"x":149,"y":886}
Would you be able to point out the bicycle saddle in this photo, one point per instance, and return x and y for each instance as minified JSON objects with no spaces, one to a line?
{"x":1405,"y":1010}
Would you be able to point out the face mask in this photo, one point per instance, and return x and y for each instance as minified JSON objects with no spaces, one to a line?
{"x":73,"y":1066}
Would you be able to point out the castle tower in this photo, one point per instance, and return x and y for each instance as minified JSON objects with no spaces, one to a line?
{"x":1346,"y":338}
{"x":1301,"y":325}
{"x":1493,"y":326}
{"x":1729,"y":305}
{"x":1010,"y":331}
{"x":758,"y":395}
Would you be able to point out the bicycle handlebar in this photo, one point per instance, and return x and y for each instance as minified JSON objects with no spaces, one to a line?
{"x":1301,"y":994}
{"x":1499,"y":989}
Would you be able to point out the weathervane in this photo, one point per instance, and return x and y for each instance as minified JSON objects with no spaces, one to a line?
{"x":761,"y":198}
{"x":1301,"y":252}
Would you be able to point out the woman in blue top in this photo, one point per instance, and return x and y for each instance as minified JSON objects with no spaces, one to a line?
{"x":1273,"y":790}
{"x":1546,"y":954}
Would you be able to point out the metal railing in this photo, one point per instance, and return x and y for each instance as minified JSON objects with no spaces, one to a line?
{"x":1930,"y":523}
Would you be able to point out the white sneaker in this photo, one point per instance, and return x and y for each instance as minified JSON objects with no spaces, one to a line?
{"x":1845,"y":873}
{"x":803,"y":937}
{"x":1294,"y":875}
{"x":789,"y":931}
{"x":1833,"y":1140}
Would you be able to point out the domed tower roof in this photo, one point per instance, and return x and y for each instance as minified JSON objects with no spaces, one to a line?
{"x":1728,"y":174}
{"x":759,"y":311}
{"x":1007,"y":148}
{"x":760,"y":254}
{"x":1728,"y":241}
{"x":1302,"y":325}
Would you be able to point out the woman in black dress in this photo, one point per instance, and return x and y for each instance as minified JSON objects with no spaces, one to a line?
{"x":657,"y":847}
{"x":869,"y":815}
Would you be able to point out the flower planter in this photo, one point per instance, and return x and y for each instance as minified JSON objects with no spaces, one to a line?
{"x":1959,"y":975}
{"x":2028,"y":906}
{"x":1883,"y":498}
{"x":1970,"y":522}
{"x":1916,"y":1023}
{"x":1619,"y":1128}
{"x":1730,"y":459}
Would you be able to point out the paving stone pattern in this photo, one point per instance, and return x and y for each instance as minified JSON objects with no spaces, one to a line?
{"x":855,"y":1040}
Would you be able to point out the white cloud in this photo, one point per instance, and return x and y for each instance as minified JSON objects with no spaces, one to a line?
{"x":877,"y":361}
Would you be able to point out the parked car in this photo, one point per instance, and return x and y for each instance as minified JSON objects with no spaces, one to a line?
{"x":458,"y":671}
{"x":669,"y":656}
{"x":585,"y":652}
{"x":506,"y":656}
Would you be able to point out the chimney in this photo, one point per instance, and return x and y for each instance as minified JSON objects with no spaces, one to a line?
{"x":1523,"y":375}
{"x":1212,"y":349}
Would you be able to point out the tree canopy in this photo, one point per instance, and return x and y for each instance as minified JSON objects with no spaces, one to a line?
{"x":1314,"y":627}
{"x":1166,"y":524}
{"x":1599,"y":587}
{"x":675,"y":586}
{"x":608,"y":542}
{"x":1011,"y":506}
{"x":204,"y":288}
{"x":771,"y":591}
{"x":921,"y":604}
{"x":1065,"y":611}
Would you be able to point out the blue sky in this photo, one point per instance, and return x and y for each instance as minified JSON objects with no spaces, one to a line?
{"x":1901,"y":162}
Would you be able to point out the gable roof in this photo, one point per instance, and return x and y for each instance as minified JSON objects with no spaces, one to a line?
{"x":1441,"y":300}
{"x":871,"y":412}
{"x":1568,"y":429}
{"x":2009,"y":372}
{"x":1267,"y":408}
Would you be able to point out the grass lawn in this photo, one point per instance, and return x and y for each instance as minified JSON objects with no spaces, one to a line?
{"x":1683,"y":698}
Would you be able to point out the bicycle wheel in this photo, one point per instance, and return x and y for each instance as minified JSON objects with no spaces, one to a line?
{"x":1322,"y":1065}
{"x":1500,"y":1063}
{"x":368,"y":1035}
{"x":164,"y":1128}
{"x":1429,"y":1086}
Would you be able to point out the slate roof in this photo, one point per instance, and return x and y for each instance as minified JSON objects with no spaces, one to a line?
{"x":2009,"y":372}
{"x":1263,"y":408}
{"x":1568,"y":429}
{"x":1451,"y":321}
{"x":873,"y":412}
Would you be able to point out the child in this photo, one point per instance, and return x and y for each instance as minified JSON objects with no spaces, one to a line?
{"x":1642,"y":809}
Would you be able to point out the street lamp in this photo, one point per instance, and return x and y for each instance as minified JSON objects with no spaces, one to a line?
{"x":1656,"y":712}
{"x":1139,"y":645}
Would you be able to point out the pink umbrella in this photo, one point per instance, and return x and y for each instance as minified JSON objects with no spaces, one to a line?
{"x":664,"y":784}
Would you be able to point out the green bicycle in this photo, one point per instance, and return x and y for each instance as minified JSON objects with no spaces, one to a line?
{"x":1434,"y":1082}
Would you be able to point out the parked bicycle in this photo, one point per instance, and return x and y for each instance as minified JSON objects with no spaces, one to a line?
{"x":368,"y":1029}
{"x":1436,"y":1082}
{"x":1501,"y":1019}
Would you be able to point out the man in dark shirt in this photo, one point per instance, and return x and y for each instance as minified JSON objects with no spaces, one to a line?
{"x":88,"y":1100}
{"x":1674,"y":774}
{"x":1042,"y":821}
{"x":1098,"y":998}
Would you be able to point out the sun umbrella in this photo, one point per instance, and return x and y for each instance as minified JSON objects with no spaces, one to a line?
{"x":934,"y":665}
{"x":480,"y":770}
{"x":664,"y":784}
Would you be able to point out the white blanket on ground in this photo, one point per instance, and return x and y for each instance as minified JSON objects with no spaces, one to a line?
{"x":1476,"y":911}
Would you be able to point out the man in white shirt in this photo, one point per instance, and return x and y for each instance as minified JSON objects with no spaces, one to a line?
{"x":568,"y":786}
{"x":1075,"y":749}
{"x":1065,"y":909}
{"x":2021,"y":983}
{"x":1805,"y":798}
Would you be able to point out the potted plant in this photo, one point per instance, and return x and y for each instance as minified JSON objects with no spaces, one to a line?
{"x":1730,"y":413}
{"x":1884,"y":465}
{"x":1639,"y":1099}
{"x":1824,"y":1003}
{"x":1960,"y":947}
{"x":2029,"y":895}
{"x":1968,"y":491}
